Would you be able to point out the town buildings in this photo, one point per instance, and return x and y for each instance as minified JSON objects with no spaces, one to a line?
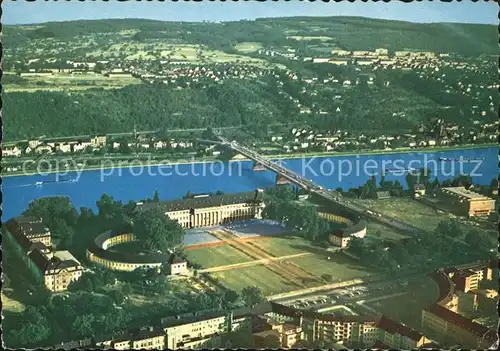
{"x":361,"y":331}
{"x":457,"y":328}
{"x":32,"y":228}
{"x":442,"y":318}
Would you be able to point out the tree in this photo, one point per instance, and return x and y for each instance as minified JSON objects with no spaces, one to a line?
{"x":449,"y":227}
{"x":53,"y":211}
{"x":83,"y":327}
{"x":478,"y":240}
{"x":116,"y":296}
{"x":252,"y":295}
{"x":124,"y":148}
{"x":356,"y":246}
{"x":157,"y":232}
{"x":34,"y":329}
{"x":156,"y":197}
{"x":230,"y":296}
{"x":127,"y":289}
{"x":272,"y":342}
{"x":327,"y":277}
{"x":64,"y":233}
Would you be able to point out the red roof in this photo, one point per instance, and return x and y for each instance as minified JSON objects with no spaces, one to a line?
{"x":394,"y":327}
{"x":383,"y":322}
{"x":461,"y":321}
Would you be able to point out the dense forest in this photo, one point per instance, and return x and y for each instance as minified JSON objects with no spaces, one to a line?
{"x":234,"y":103}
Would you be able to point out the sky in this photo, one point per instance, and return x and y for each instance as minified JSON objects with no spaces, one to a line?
{"x":466,"y":11}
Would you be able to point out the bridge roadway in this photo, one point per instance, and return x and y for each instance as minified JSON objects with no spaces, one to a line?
{"x":313,"y":188}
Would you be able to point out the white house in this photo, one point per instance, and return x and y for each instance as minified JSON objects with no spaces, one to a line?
{"x":159,"y":144}
{"x":15,"y":151}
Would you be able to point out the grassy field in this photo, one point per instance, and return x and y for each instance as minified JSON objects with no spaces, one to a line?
{"x":11,"y":305}
{"x":248,"y":46}
{"x":215,"y":256}
{"x":340,"y":266}
{"x":386,"y":233}
{"x":284,"y":245}
{"x":408,"y":308}
{"x":267,"y":281}
{"x":409,"y":211}
{"x":61,"y":81}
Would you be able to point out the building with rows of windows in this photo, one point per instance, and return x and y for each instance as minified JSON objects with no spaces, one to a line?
{"x":208,"y":210}
{"x":31,"y":241}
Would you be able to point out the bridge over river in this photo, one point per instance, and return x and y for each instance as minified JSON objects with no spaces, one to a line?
{"x":313,"y":188}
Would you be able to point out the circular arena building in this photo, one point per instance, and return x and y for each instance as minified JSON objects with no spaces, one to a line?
{"x":99,"y":253}
{"x":355,"y":225}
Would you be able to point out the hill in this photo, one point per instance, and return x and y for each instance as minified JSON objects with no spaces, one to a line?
{"x":350,"y":33}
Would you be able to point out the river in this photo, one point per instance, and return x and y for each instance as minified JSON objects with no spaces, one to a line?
{"x":131,"y":184}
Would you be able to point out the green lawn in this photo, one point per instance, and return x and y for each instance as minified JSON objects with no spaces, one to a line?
{"x":267,"y":281}
{"x":11,"y":305}
{"x":408,"y":308}
{"x":284,"y":245}
{"x":215,"y":256}
{"x":340,"y":266}
{"x":409,"y":211}
{"x":386,"y":233}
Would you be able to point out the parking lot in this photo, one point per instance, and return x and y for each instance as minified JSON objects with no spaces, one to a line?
{"x":348,"y":296}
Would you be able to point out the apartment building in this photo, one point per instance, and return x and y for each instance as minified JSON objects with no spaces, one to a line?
{"x":31,"y":227}
{"x":192,"y":331}
{"x":287,"y":333}
{"x":357,"y":330}
{"x":146,"y":338}
{"x":457,"y":328}
{"x":468,"y":279}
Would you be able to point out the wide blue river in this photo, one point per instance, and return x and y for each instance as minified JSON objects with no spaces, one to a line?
{"x":175,"y":181}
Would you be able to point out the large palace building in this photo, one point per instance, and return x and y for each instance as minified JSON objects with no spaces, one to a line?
{"x":208,"y":210}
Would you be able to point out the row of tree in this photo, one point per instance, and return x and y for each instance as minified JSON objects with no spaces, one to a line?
{"x":282,"y":206}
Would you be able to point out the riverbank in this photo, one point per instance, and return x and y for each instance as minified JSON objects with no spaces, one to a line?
{"x":211,"y":159}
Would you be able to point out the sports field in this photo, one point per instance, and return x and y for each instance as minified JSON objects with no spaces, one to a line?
{"x":283,"y":245}
{"x":215,"y":256}
{"x":269,"y":282}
